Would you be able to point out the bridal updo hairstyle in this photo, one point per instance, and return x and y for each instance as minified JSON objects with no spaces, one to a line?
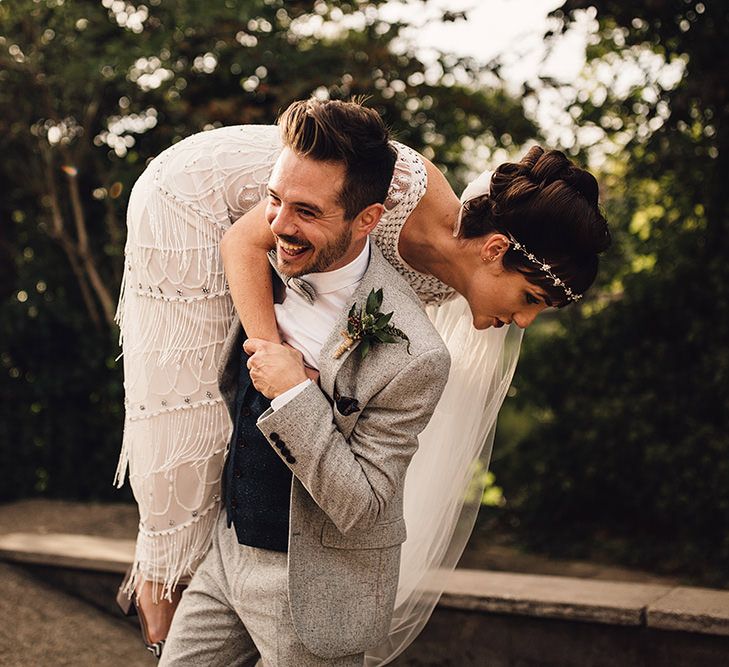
{"x":348,"y":133}
{"x":550,"y":206}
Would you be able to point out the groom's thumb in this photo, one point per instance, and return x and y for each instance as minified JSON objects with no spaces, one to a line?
{"x":252,"y":345}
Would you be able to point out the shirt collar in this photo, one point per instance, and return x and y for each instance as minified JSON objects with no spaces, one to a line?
{"x":350,"y":274}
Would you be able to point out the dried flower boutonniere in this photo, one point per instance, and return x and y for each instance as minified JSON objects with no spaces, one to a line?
{"x":369,"y":327}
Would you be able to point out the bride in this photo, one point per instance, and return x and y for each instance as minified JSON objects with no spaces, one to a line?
{"x":523,"y":239}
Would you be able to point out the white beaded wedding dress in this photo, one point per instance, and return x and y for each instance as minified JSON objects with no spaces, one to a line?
{"x":174,"y":313}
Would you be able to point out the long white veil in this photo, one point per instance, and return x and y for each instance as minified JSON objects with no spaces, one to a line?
{"x":445,"y":480}
{"x":443,"y":488}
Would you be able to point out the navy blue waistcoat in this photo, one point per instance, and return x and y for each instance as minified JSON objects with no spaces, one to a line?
{"x":257,"y":483}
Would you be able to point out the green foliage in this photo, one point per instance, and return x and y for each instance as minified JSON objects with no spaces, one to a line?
{"x":89,"y":92}
{"x":629,"y":454}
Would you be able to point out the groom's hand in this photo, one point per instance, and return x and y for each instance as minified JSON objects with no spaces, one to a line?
{"x":273,"y":368}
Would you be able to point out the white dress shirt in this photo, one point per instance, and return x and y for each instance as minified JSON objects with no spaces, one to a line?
{"x":306,"y":326}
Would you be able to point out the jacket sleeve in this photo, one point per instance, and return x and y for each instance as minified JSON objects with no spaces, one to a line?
{"x":353,"y":480}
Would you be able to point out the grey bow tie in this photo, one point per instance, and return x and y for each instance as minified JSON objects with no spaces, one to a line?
{"x":298,"y":285}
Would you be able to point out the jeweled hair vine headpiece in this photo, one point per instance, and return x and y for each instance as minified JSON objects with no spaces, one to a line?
{"x":545,"y":268}
{"x":481,"y":186}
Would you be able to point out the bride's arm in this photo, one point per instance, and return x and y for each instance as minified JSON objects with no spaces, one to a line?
{"x":244,"y":248}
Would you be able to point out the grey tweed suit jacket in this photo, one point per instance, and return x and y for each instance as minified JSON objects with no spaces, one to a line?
{"x":346,"y":519}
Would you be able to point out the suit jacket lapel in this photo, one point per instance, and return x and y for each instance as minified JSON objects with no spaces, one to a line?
{"x":374,"y":278}
{"x":229,"y":365}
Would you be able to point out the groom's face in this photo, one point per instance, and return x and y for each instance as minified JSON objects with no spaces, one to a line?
{"x":306,"y":217}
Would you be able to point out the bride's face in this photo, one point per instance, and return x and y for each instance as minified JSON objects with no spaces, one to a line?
{"x":498,"y":296}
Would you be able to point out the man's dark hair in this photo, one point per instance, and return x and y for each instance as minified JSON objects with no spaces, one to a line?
{"x":348,"y":133}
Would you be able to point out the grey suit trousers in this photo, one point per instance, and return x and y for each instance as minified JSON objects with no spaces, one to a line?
{"x":236,"y":610}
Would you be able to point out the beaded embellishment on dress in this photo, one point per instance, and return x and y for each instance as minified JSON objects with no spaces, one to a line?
{"x":174,"y":313}
{"x":409,"y":182}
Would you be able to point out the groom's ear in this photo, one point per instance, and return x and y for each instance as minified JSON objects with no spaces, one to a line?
{"x":367,"y":219}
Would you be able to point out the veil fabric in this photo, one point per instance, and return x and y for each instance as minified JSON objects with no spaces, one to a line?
{"x":445,"y":480}
{"x":444,"y":484}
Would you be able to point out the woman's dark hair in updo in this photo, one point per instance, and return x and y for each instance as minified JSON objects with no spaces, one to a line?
{"x":550,"y":206}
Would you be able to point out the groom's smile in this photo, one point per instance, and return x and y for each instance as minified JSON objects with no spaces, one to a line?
{"x":292,"y":247}
{"x":306,"y":216}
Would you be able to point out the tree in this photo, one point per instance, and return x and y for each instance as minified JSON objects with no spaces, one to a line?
{"x":631,"y":450}
{"x":88,"y":93}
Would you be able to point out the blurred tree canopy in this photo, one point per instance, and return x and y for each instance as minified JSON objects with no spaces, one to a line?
{"x":619,"y":424}
{"x":89,"y":92}
{"x":629,"y":453}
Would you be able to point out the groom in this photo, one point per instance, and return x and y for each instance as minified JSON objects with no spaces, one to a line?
{"x":304,"y":565}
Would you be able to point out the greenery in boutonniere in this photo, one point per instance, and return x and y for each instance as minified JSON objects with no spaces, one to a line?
{"x":370,"y":327}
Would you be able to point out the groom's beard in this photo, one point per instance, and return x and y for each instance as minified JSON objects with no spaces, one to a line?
{"x":319,"y":260}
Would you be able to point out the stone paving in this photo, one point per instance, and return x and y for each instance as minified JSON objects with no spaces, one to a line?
{"x":43,"y":627}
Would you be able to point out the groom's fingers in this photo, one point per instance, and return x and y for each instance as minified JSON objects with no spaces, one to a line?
{"x":296,"y":353}
{"x":252,"y":345}
{"x":273,"y":368}
{"x":311,"y":373}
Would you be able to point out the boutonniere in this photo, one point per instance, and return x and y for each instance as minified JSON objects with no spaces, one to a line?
{"x":369,"y":327}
